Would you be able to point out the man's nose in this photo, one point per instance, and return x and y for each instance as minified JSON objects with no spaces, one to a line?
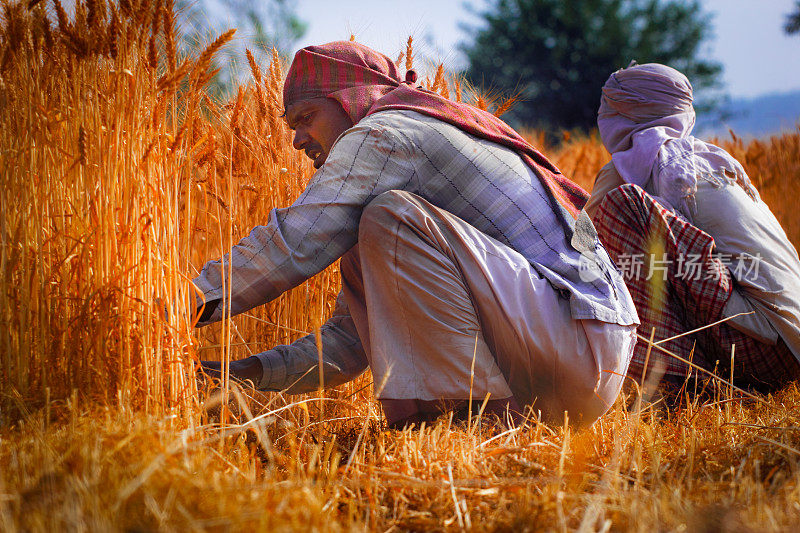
{"x":300,"y":139}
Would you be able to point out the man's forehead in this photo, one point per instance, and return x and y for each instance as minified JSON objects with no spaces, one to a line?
{"x":297,"y":108}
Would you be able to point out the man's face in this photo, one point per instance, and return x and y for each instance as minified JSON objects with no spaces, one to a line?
{"x":317,"y":123}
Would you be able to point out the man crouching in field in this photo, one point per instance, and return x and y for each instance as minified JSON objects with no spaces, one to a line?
{"x":694,"y":240}
{"x":465,"y":273}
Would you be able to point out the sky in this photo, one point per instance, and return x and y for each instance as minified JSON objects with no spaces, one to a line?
{"x":748,"y":38}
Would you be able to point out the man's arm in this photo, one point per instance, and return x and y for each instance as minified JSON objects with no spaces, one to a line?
{"x":294,"y":368}
{"x":301,"y":240}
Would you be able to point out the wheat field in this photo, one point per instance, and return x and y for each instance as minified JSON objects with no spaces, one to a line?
{"x":121,"y":174}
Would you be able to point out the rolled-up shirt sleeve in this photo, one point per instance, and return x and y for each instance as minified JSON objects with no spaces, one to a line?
{"x":301,"y":240}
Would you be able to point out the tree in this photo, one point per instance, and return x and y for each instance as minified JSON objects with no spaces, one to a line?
{"x":558,"y":55}
{"x":793,"y":20}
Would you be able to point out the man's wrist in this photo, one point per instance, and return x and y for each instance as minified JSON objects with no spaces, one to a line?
{"x":248,"y":369}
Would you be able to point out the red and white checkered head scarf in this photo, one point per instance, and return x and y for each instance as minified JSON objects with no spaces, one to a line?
{"x":349,"y":72}
{"x":364,"y":82}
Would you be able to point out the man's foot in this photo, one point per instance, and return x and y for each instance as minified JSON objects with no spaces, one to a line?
{"x":402,"y":413}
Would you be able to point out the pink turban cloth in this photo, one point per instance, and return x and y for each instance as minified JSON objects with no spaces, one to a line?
{"x":364,"y":82}
{"x":645,"y":120}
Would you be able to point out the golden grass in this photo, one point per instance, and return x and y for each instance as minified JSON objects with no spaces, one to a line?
{"x":710,"y":465}
{"x":120,"y":176}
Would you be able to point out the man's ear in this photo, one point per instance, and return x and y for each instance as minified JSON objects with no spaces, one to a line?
{"x":344,"y":108}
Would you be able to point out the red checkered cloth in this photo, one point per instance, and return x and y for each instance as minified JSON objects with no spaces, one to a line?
{"x":678,"y":285}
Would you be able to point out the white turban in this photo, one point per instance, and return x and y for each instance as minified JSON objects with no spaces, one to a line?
{"x":645,"y":120}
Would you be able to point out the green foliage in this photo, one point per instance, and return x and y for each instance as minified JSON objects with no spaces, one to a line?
{"x":792,"y":25}
{"x":559,"y":54}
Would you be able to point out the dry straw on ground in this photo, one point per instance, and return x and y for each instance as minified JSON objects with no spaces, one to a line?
{"x":120,"y":175}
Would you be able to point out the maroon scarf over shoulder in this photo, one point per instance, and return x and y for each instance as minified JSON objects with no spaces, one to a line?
{"x":364,"y":82}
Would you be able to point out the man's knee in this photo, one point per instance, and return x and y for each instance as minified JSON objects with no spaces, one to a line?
{"x":624,"y":209}
{"x":386,"y":211}
{"x":623,"y":197}
{"x":388,"y":203}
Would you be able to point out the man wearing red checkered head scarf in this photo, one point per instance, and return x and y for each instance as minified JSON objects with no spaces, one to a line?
{"x":465,"y":273}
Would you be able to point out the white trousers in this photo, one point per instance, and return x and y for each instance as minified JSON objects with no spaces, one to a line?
{"x":444,"y":310}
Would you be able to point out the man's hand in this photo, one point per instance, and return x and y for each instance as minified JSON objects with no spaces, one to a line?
{"x":245,"y":370}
